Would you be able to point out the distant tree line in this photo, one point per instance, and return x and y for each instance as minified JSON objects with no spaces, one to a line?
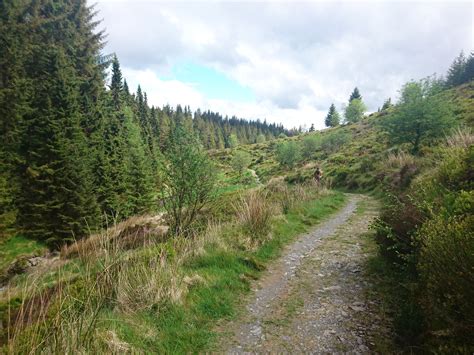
{"x":75,"y":150}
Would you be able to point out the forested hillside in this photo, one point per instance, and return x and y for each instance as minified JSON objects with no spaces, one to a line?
{"x":126,"y":227}
{"x":79,"y":148}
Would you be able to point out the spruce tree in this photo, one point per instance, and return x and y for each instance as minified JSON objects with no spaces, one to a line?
{"x":387,"y":104}
{"x":116,"y":85}
{"x":355,"y":95}
{"x":456,"y":71}
{"x":332,"y":118}
{"x":111,"y":180}
{"x":139,"y":173}
{"x":56,"y":202}
{"x":469,"y":69}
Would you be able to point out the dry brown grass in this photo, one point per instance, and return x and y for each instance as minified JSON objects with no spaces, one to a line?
{"x":130,"y":234}
{"x":65,"y":318}
{"x":461,"y":138}
{"x":145,"y":284}
{"x":254,"y":212}
{"x":399,"y":160}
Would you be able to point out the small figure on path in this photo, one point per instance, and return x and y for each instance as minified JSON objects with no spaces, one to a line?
{"x":318,"y":174}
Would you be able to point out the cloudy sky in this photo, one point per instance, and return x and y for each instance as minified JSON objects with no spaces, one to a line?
{"x":283,"y":61}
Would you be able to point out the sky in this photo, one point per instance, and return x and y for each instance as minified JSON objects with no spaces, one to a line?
{"x":285,"y":62}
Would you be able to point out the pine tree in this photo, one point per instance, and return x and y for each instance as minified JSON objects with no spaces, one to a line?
{"x":138,"y":167}
{"x":332,"y":118}
{"x":387,"y":104}
{"x":311,"y":129}
{"x":116,"y":86}
{"x":456,"y":71}
{"x":355,"y":95}
{"x":56,"y":202}
{"x":469,"y":69}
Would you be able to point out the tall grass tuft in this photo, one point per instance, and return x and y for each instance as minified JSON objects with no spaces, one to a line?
{"x":461,"y":138}
{"x":68,"y":317}
{"x":399,"y":160}
{"x":254,"y":212}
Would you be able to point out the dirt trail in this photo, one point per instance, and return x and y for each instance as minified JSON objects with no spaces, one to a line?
{"x":316,"y":297}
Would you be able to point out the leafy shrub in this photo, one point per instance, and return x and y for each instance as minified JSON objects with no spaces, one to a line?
{"x":287,"y":153}
{"x":332,"y":142}
{"x":240,"y":161}
{"x":309,"y":145}
{"x":446,"y":267}
{"x":428,"y":228}
{"x":189,"y":178}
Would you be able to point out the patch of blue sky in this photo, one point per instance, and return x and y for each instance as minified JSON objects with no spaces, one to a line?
{"x":212,"y":83}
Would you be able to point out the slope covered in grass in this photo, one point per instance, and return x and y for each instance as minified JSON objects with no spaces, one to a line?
{"x":356,"y":156}
{"x":158,"y":294}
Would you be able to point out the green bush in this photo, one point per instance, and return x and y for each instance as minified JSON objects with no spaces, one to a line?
{"x":429,"y":230}
{"x":240,"y":161}
{"x":189,"y":178}
{"x":288,"y":153}
{"x":309,"y":145}
{"x":332,"y":142}
{"x":446,"y":269}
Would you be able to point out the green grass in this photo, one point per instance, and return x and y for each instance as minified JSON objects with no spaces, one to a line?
{"x":395,"y":289}
{"x":191,"y":326}
{"x":16,"y":246}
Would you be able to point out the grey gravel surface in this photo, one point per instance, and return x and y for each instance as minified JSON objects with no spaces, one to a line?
{"x":315,"y":297}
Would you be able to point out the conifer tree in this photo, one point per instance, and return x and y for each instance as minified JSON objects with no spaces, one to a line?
{"x":111,"y":179}
{"x":56,"y":202}
{"x":332,"y":118}
{"x":139,"y":174}
{"x":456,"y":71}
{"x":116,"y":85}
{"x":355,"y":95}
{"x":469,"y":69}
{"x":387,"y":104}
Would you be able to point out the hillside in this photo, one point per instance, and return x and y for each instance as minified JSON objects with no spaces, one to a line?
{"x":355,"y":157}
{"x":128,"y":226}
{"x":136,"y":288}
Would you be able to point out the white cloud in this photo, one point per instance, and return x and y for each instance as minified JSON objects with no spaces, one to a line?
{"x":173,"y":92}
{"x":162,"y":92}
{"x":297,"y":57}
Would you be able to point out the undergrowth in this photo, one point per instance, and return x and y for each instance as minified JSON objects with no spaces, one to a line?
{"x":165,"y":296}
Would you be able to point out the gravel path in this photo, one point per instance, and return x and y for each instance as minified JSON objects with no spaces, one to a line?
{"x":315,"y":297}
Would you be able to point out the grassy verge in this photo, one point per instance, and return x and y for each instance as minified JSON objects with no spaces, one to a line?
{"x":18,"y":245}
{"x":167,"y":296}
{"x":396,"y":291}
{"x":226,"y":274}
